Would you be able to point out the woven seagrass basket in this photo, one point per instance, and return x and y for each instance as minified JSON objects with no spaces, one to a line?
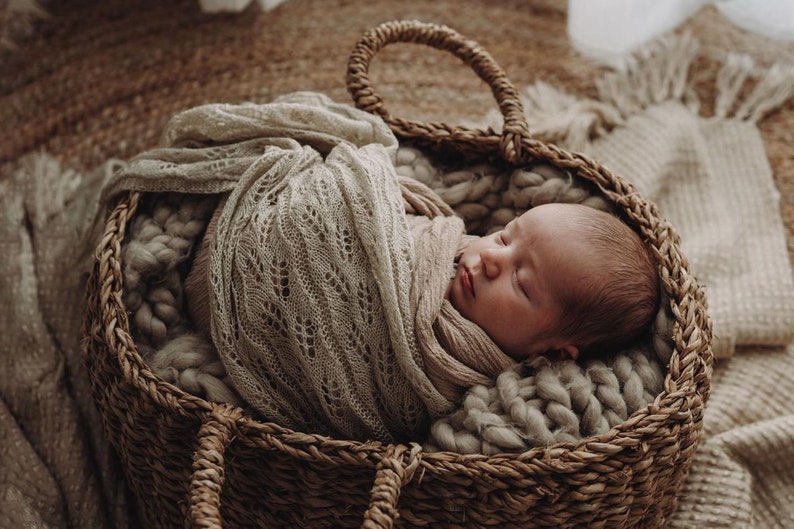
{"x":199,"y":464}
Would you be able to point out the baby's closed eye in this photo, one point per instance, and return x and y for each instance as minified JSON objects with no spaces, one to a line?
{"x":519,"y":284}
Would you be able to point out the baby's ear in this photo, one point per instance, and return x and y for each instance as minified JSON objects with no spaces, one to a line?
{"x":566,"y":352}
{"x":571,"y":352}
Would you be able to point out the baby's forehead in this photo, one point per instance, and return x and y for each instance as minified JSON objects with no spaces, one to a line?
{"x":577,"y":234}
{"x":584,"y":220}
{"x":558,"y":217}
{"x":564,"y":209}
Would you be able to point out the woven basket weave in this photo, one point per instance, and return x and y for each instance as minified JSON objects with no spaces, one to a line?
{"x":199,"y":464}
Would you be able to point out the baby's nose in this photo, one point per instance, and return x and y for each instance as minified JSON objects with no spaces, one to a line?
{"x":490,"y":263}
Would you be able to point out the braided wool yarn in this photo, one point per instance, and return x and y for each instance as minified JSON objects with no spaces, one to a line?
{"x":538,"y":404}
{"x":488,"y":197}
{"x":160,"y":241}
{"x":192,"y":363}
{"x":162,"y":238}
{"x":548,"y":403}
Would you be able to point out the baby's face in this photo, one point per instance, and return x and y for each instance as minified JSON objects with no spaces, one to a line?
{"x":510,"y":282}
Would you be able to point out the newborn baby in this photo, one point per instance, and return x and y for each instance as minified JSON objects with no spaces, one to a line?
{"x":560,"y":280}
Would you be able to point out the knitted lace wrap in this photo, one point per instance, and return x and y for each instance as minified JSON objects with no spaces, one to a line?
{"x":310,"y":272}
{"x":312,"y":265}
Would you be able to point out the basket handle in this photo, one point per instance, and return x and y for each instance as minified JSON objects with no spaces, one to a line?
{"x":394,"y":471}
{"x":215,"y":435}
{"x":467,"y":50}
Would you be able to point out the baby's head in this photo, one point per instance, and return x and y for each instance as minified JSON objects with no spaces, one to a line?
{"x":561,"y":279}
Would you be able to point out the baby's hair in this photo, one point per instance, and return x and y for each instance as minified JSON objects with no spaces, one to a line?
{"x":620,"y":304}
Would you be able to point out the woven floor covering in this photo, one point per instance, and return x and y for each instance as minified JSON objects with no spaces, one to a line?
{"x":98,"y":79}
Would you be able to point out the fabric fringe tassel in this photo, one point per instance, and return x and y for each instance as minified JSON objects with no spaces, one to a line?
{"x":776,"y":86}
{"x":564,"y":119}
{"x":659,"y":72}
{"x":735,"y":71}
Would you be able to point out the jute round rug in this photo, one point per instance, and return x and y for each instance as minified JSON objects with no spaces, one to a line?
{"x":98,"y":79}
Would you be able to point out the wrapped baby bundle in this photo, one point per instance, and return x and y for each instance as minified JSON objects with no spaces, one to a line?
{"x":325,"y":302}
{"x":322,"y":302}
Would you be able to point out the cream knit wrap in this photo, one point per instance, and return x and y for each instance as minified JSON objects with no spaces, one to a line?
{"x":326,"y":308}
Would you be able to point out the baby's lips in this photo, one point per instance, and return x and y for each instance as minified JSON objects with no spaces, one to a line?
{"x":468,"y":282}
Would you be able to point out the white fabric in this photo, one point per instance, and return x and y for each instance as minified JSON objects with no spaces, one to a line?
{"x":236,"y":6}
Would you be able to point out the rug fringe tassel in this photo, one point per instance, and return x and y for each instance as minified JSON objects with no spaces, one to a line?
{"x":51,"y":185}
{"x":16,"y":20}
{"x":660,"y":72}
{"x":55,"y":193}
